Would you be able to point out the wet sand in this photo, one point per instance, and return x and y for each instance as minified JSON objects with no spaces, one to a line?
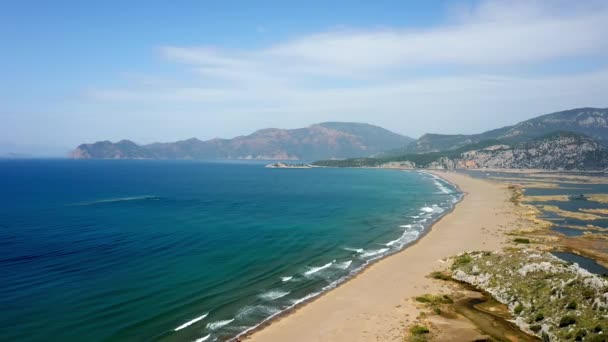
{"x":377,"y":304}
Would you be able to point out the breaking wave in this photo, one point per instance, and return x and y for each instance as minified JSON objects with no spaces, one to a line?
{"x":274,"y":294}
{"x":219,"y":324}
{"x":191,"y":322}
{"x":313,"y":270}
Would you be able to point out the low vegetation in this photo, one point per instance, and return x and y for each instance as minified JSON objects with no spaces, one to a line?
{"x":547,"y":297}
{"x":440,"y":275}
{"x":419,"y":333}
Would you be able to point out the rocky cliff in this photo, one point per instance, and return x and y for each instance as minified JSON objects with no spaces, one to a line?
{"x":592,"y":122}
{"x":562,"y":150}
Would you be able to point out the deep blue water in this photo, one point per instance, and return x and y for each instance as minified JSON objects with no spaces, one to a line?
{"x":135,"y":250}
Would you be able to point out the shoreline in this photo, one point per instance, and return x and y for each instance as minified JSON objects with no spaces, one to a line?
{"x":330,"y":313}
{"x":248,"y":333}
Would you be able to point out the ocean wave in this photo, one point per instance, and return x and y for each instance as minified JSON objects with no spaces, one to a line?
{"x":274,"y":294}
{"x":344,"y":265}
{"x":313,"y":270}
{"x":256,"y":309}
{"x":286,"y":279}
{"x":204,"y":338}
{"x":437,"y":209}
{"x":219,"y":324}
{"x":407,"y":237}
{"x":191,"y":322}
{"x":406,"y":226}
{"x":433,"y":209}
{"x":368,"y":254}
{"x":121,"y":199}
{"x":410,"y":233}
{"x":441,"y":187}
{"x":439,"y":182}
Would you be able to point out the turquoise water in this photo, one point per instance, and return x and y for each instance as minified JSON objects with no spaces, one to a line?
{"x":184,"y":251}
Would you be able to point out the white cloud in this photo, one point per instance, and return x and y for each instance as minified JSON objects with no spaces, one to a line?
{"x":495,"y":33}
{"x":462,"y":71}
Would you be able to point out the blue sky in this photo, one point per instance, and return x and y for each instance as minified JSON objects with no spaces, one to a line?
{"x":75,"y":71}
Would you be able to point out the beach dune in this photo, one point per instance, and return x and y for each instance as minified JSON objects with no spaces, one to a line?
{"x":376,"y":305}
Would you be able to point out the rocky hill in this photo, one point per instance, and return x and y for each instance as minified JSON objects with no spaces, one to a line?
{"x":592,"y":122}
{"x":321,"y":141}
{"x":562,"y":150}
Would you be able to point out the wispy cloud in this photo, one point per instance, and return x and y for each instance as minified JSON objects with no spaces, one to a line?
{"x":348,"y":72}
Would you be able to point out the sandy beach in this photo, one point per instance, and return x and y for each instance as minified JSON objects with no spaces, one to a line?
{"x":376,"y":305}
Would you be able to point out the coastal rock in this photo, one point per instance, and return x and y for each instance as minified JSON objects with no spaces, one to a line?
{"x":545,"y":295}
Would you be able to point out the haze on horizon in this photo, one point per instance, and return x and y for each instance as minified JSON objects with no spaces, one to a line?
{"x":75,"y":72}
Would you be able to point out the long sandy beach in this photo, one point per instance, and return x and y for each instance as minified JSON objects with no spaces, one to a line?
{"x":376,"y":305}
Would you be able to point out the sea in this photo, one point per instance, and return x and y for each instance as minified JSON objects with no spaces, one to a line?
{"x":142,"y":250}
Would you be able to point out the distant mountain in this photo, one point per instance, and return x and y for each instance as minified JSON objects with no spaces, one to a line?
{"x":560,"y":150}
{"x":592,"y":122}
{"x":320,"y":141}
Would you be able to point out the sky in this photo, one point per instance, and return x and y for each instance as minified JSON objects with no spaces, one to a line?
{"x":82,"y":71}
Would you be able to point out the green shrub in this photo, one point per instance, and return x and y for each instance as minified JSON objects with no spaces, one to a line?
{"x":580,"y":334}
{"x":521,"y":240}
{"x":440,"y":275}
{"x":434,"y":299}
{"x":539,"y":317}
{"x":597,"y":329}
{"x":588,"y":293}
{"x":461,"y":260}
{"x":571,"y":306}
{"x":518,"y":309}
{"x":419,"y":330}
{"x":535,"y":328}
{"x":566,"y":321}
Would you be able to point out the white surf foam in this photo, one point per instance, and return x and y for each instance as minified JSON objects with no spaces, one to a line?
{"x":406,"y":226}
{"x":390,"y":243}
{"x":368,"y":254}
{"x":407,"y":237}
{"x":286,"y":279}
{"x":314,"y":270}
{"x":441,"y":187}
{"x":427,"y":209}
{"x":344,"y":265}
{"x":219,"y":324}
{"x":204,"y":338}
{"x":274,"y":294}
{"x":255,"y":310}
{"x":437,"y":209}
{"x":191,"y":322}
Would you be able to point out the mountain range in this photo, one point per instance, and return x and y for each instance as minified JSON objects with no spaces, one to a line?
{"x":327,"y":140}
{"x":571,"y":139}
{"x":592,"y":122}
